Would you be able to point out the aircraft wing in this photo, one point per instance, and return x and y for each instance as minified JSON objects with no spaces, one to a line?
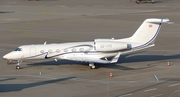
{"x":95,"y":60}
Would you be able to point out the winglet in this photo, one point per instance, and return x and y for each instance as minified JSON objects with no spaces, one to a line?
{"x":45,"y":43}
{"x":115,"y":59}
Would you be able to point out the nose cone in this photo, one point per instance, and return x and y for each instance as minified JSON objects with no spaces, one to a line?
{"x":6,"y":56}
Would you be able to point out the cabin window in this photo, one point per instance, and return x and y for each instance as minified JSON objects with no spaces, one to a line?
{"x":81,"y":49}
{"x":65,"y":50}
{"x":57,"y":50}
{"x":42,"y":51}
{"x":73,"y":50}
{"x":18,"y":49}
{"x":50,"y":51}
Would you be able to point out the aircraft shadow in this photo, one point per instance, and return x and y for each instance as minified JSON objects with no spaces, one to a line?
{"x":67,"y":62}
{"x":145,"y":58}
{"x":3,"y":12}
{"x":123,"y":59}
{"x":6,"y":79}
{"x":50,"y":62}
{"x":19,"y":87}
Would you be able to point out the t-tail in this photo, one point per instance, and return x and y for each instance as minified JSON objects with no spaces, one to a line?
{"x":147,"y":33}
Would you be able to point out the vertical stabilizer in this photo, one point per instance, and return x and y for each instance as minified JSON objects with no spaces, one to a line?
{"x":148,"y":31}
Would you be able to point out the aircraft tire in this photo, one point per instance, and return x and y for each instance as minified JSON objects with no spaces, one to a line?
{"x":17,"y":67}
{"x":93,"y":67}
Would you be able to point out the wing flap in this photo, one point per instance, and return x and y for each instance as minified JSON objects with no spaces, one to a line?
{"x":95,"y":60}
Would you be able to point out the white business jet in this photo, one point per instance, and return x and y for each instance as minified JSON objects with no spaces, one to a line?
{"x":98,"y":51}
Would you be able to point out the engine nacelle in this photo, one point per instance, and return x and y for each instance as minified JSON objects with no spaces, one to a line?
{"x":110,"y":45}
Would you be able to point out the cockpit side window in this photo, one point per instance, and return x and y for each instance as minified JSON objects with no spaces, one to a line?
{"x":18,"y":49}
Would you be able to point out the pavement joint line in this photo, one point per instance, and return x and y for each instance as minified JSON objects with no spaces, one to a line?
{"x":174,"y":85}
{"x":157,"y":95}
{"x":10,"y":45}
{"x":150,"y":90}
{"x":10,"y":19}
{"x":1,"y":49}
{"x":176,"y":91}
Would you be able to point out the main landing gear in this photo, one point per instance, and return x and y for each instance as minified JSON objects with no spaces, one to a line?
{"x":92,"y":66}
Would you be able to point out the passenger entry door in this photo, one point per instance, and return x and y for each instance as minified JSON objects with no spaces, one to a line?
{"x":32,"y":51}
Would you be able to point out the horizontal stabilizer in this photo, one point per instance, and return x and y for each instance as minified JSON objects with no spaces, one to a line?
{"x":137,"y":49}
{"x":157,"y":21}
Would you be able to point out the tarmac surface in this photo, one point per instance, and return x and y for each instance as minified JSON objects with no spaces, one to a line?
{"x":141,"y":74}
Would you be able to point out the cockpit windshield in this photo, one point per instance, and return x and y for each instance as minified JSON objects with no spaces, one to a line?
{"x":18,"y":49}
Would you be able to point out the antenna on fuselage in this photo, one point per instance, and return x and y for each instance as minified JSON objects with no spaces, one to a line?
{"x":45,"y":43}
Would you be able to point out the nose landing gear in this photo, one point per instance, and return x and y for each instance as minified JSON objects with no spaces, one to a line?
{"x":18,"y":65}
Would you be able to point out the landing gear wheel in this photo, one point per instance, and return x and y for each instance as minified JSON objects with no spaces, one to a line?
{"x":93,"y":67}
{"x":17,"y":67}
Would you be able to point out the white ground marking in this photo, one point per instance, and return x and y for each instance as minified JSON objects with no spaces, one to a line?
{"x":174,"y":85}
{"x":125,"y":95}
{"x":157,"y":95}
{"x":150,"y":90}
{"x":146,"y":11}
{"x":150,"y":11}
{"x":176,"y":91}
